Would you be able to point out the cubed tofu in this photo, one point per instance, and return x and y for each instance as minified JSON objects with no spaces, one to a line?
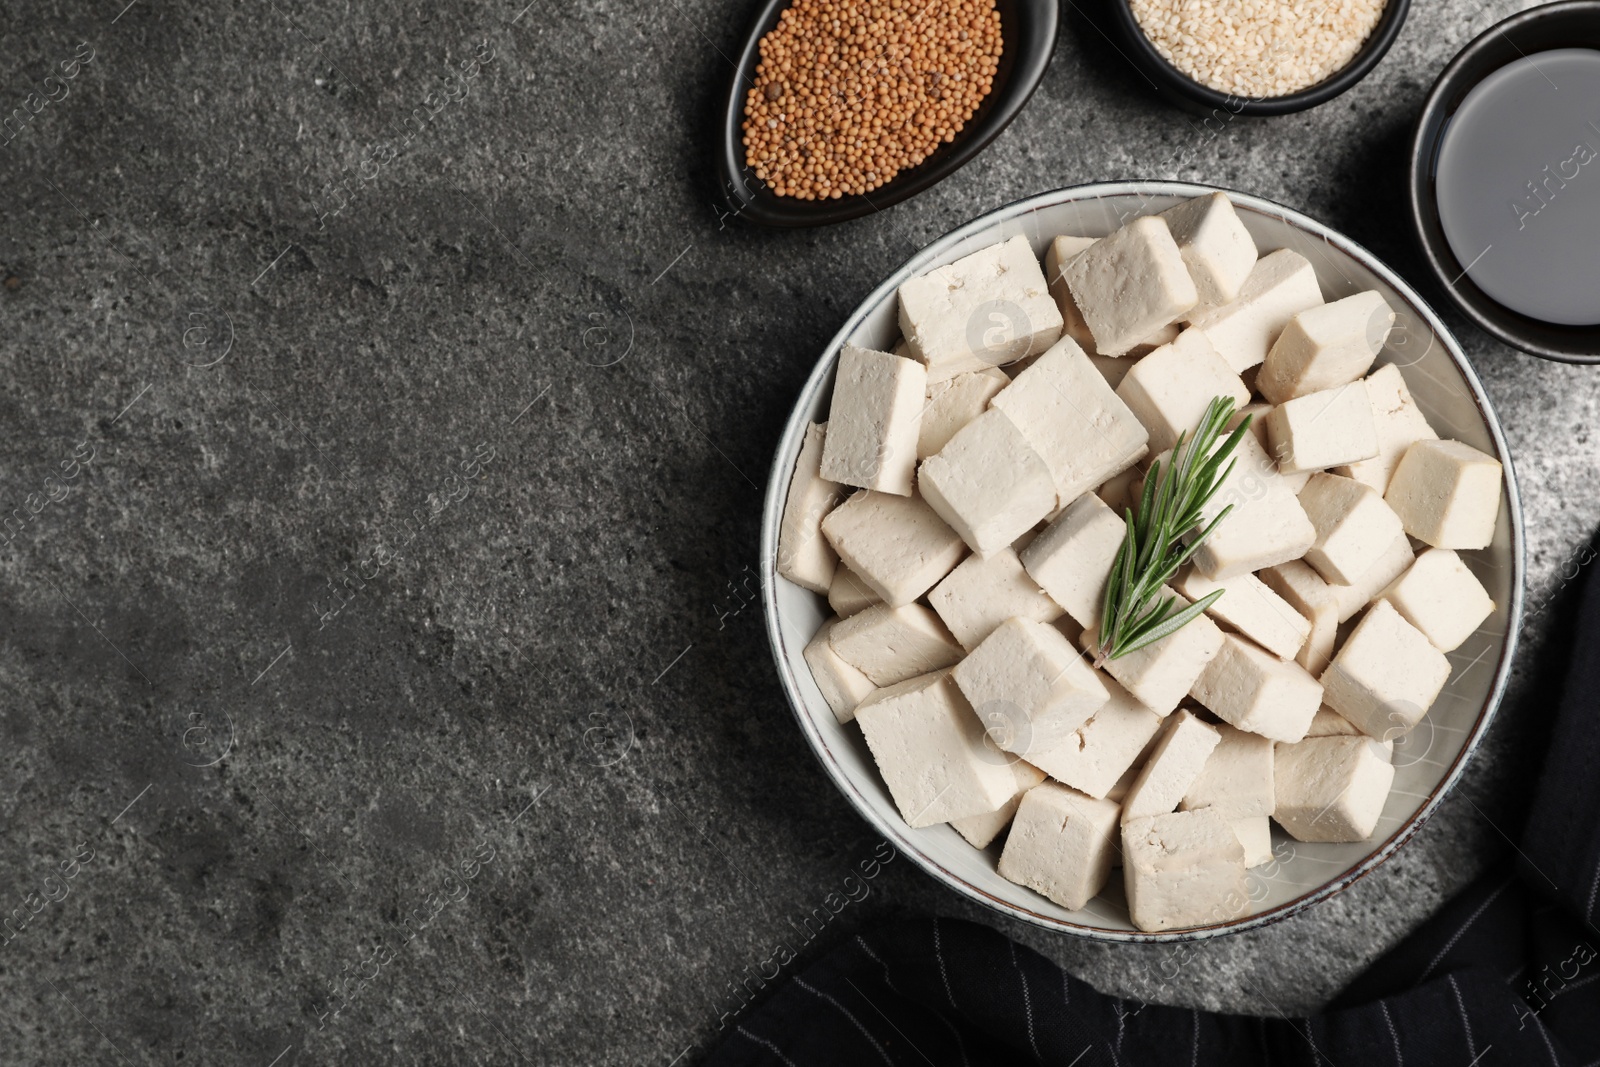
{"x":1130,"y":284}
{"x":1179,"y":755}
{"x":954,"y":402}
{"x":1061,"y":252}
{"x":1329,"y":723}
{"x":1183,"y":869}
{"x":804,"y":555}
{"x":1160,"y":674}
{"x":1029,"y":686}
{"x":1071,"y":417}
{"x":1354,"y":527}
{"x":981,"y":830}
{"x":1117,"y":492}
{"x":1237,"y":777}
{"x":842,"y":686}
{"x":929,"y":747}
{"x":982,"y":593}
{"x":1304,"y":590}
{"x":1322,"y":430}
{"x":988,"y":483}
{"x":874,"y":421}
{"x":1441,"y":597}
{"x":1267,"y":525}
{"x":1375,"y":579}
{"x":1061,"y":844}
{"x":1280,"y":285}
{"x":1386,"y":675}
{"x":1398,"y":424}
{"x":1325,"y":346}
{"x":1447,"y":494}
{"x":1255,"y":834}
{"x":1256,"y":691}
{"x":1101,"y":750}
{"x":1257,"y":449}
{"x":1248,"y":607}
{"x":898,"y":545}
{"x":984,"y":310}
{"x":1071,"y":558}
{"x":1331,"y":789}
{"x":1216,"y":247}
{"x":889,"y":645}
{"x":1168,"y":390}
{"x":848,"y":594}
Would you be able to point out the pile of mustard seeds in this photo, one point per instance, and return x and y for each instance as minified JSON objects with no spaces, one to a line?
{"x":848,"y":94}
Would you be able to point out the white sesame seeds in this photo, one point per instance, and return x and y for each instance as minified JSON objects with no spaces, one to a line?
{"x":1258,"y":48}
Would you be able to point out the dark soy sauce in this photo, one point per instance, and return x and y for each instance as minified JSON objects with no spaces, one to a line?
{"x":1518,"y":185}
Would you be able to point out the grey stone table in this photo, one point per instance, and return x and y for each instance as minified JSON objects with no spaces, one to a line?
{"x":386,"y":414}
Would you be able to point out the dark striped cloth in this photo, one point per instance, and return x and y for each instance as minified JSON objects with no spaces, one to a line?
{"x":1508,"y":972}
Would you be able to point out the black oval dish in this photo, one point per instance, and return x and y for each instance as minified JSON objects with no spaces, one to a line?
{"x":1191,"y":95}
{"x":1028,"y":30}
{"x":1574,"y":24}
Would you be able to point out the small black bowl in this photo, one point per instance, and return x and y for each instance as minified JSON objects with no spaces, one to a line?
{"x":1573,"y":24}
{"x":1189,"y":94}
{"x":1028,"y":30}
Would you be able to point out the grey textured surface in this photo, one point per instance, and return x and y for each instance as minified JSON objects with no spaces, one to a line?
{"x":517,"y":376}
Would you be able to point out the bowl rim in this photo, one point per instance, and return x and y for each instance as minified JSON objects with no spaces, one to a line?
{"x":1426,"y":138}
{"x":896,"y":831}
{"x":737,"y":186}
{"x":1153,"y":64}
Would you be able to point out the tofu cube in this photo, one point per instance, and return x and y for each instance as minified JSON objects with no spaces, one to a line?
{"x":1329,"y":723}
{"x":982,"y":593}
{"x":1160,"y":674}
{"x":1260,"y":451}
{"x":1267,"y":525}
{"x":1130,"y":284}
{"x":1237,"y":777}
{"x":1061,"y":844}
{"x":1331,"y":789}
{"x":1255,"y":834}
{"x":1375,"y":579}
{"x":848,"y":594}
{"x":1386,"y":675}
{"x":1029,"y":686}
{"x":1183,"y":869}
{"x":1061,"y":252}
{"x":874,"y":421}
{"x":890,"y":645}
{"x":1168,"y":390}
{"x":1215,"y":245}
{"x":1117,"y":492}
{"x":929,"y":747}
{"x":1102,"y":749}
{"x":898,"y":545}
{"x":1325,"y":346}
{"x":1179,"y":755}
{"x":1447,"y":494}
{"x":1304,"y":590}
{"x":981,"y":830}
{"x":1322,"y":430}
{"x":1398,"y":423}
{"x":1071,"y":417}
{"x":1354,"y":527}
{"x":843,"y":687}
{"x":1279,"y":286}
{"x":954,"y":402}
{"x":988,"y":483}
{"x":984,"y":310}
{"x":1248,"y":607}
{"x":1072,"y":557}
{"x":1441,"y":597}
{"x":1256,"y":691}
{"x":804,"y":555}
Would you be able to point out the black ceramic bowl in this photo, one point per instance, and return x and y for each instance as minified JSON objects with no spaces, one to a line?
{"x":1183,"y":90}
{"x":1575,"y":24}
{"x":1028,"y":30}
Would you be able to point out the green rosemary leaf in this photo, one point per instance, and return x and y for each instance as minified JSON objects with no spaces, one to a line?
{"x":1173,"y":624}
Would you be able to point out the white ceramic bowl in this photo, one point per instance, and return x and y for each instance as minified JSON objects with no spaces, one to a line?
{"x":1427,"y":763}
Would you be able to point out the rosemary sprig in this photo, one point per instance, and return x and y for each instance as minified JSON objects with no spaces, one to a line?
{"x":1133,"y":613}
